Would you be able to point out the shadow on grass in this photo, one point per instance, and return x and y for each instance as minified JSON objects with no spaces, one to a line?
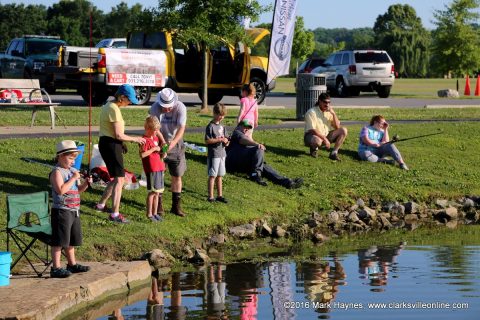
{"x":285,"y":152}
{"x":35,"y":183}
{"x":350,"y":153}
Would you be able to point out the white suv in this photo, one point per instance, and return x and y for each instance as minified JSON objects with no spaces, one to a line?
{"x":350,"y":71}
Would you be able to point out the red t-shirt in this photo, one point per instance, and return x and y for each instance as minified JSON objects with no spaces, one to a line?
{"x":153,"y":162}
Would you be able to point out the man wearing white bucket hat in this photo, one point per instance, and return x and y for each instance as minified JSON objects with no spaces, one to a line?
{"x":172,"y":115}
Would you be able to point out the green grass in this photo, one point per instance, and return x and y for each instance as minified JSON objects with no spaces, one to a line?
{"x":402,"y":88}
{"x":442,"y":166}
{"x":78,"y":116}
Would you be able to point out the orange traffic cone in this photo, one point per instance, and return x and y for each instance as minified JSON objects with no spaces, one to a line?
{"x":477,"y":86}
{"x":467,"y":86}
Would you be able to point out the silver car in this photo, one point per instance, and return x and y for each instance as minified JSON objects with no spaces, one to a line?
{"x":350,"y":71}
{"x":112,"y":43}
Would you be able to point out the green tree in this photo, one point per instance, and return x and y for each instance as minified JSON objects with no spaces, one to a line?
{"x":32,"y":17}
{"x":122,"y":19}
{"x":400,"y":32}
{"x":456,"y":41}
{"x":361,"y":38}
{"x":71,"y":20}
{"x":208,"y":22}
{"x":328,"y":41}
{"x":303,"y":40}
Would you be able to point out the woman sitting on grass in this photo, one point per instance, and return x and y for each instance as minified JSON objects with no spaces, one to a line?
{"x":374,"y":143}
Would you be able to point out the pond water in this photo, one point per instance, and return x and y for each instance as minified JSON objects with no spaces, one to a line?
{"x":379,"y":282}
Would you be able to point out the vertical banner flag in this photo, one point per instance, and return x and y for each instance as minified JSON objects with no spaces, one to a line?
{"x":281,"y":41}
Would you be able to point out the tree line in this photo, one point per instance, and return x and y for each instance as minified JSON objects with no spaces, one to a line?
{"x":450,"y":49}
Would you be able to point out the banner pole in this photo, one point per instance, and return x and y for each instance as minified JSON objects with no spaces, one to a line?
{"x":271,"y":36}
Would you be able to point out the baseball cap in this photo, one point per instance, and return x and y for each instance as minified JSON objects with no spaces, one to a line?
{"x":66,"y":146}
{"x":167,"y":98}
{"x":129,"y":92}
{"x":246,"y":123}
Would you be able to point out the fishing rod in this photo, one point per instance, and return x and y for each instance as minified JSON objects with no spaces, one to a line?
{"x":396,"y":138}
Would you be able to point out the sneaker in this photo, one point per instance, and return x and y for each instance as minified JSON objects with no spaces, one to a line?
{"x":99,"y":208}
{"x":158,"y":217}
{"x":386,"y":161}
{"x":118,"y":219}
{"x":211,"y":199}
{"x":295,"y":183}
{"x":152,"y":218}
{"x":334,"y":156}
{"x":314,"y":152}
{"x":222,"y":199}
{"x":261,"y":182}
{"x":403,"y":166}
{"x":77,"y":268}
{"x":59,"y":273}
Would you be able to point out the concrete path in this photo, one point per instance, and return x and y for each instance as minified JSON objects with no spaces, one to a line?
{"x":30,"y":297}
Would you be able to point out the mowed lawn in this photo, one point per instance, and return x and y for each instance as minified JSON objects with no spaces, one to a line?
{"x":403,"y":88}
{"x":442,"y":166}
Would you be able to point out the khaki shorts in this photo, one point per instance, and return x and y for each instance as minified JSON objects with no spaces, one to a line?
{"x":175,"y":160}
{"x":309,"y":138}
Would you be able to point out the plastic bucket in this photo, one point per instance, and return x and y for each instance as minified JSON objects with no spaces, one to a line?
{"x":78,"y":160}
{"x":5,"y":261}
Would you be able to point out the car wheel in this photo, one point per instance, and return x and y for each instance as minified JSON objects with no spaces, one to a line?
{"x":212,"y":96}
{"x":341,"y":88}
{"x":384,"y":92}
{"x":99,"y":95}
{"x":51,"y":89}
{"x":143,"y":94}
{"x":354,"y":92}
{"x":260,"y":88}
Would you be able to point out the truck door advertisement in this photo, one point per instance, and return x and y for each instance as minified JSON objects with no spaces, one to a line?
{"x":136,"y":67}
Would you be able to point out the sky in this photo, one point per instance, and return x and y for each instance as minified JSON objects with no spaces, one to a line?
{"x":316,"y":13}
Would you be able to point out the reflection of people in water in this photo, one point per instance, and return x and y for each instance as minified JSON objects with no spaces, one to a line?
{"x":116,"y":315}
{"x":155,"y":299}
{"x":177,"y":311}
{"x":375,"y":262}
{"x":156,"y":309}
{"x":216,"y":293}
{"x":242,"y":280}
{"x":321,"y":282}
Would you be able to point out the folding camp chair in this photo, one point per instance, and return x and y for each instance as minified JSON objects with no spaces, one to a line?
{"x":29,"y":214}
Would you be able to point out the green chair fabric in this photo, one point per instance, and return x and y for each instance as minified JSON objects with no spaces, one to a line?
{"x":29,"y":214}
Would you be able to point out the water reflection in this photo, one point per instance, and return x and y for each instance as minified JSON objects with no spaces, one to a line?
{"x":375,"y":263}
{"x":319,"y":288}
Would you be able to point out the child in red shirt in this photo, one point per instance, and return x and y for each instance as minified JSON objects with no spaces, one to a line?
{"x":153,"y":165}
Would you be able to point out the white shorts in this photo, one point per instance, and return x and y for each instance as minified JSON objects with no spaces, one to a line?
{"x":216,"y":167}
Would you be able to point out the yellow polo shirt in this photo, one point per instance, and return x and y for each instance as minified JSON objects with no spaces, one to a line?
{"x":109,"y":114}
{"x":318,"y":120}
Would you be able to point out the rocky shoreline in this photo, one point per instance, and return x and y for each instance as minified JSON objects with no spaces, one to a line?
{"x":319,"y":227}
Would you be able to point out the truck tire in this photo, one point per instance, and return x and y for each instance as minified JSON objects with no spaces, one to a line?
{"x":99,"y":96}
{"x":212,"y":96}
{"x":143,"y":94}
{"x":260,"y":88}
{"x":384,"y":91}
